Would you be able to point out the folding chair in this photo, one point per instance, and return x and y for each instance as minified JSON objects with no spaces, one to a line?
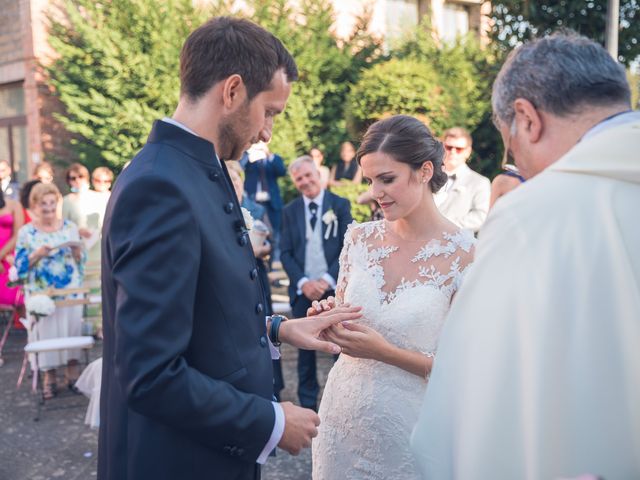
{"x":38,"y":346}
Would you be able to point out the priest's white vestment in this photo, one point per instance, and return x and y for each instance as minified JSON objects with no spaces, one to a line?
{"x":537,"y":374}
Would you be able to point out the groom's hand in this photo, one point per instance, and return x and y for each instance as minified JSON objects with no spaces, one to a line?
{"x":300,"y":426}
{"x":306,"y":333}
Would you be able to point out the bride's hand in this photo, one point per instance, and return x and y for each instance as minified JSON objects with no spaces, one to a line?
{"x":322,"y":306}
{"x":358,"y":340}
{"x":307,"y":333}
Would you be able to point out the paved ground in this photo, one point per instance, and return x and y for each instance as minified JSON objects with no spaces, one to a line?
{"x":60,"y":446}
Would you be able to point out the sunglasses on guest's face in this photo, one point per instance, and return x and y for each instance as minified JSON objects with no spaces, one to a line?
{"x":450,"y":148}
{"x":101,"y":180}
{"x":71,"y":179}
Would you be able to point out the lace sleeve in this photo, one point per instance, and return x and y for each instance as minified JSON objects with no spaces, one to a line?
{"x":345,"y":263}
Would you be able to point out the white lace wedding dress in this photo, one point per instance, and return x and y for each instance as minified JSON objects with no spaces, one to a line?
{"x":369,"y":408}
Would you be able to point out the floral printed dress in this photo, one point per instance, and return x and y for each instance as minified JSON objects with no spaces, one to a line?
{"x":57,"y":270}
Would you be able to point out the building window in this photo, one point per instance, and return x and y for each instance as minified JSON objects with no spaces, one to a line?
{"x":13,"y":130}
{"x":455,"y":21}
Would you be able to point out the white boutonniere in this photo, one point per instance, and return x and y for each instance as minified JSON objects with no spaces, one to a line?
{"x":248,"y":219}
{"x":331,"y":221}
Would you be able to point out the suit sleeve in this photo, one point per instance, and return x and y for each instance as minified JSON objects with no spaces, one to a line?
{"x":154,"y":246}
{"x":344,"y":220}
{"x":287,"y":255}
{"x":278,"y":166}
{"x":474,"y":219}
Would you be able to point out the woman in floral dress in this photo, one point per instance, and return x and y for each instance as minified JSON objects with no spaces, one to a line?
{"x":49,"y":255}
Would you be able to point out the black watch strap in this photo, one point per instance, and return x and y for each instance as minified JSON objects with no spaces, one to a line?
{"x":276,"y":320}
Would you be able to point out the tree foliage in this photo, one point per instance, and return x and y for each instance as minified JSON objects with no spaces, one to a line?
{"x":444,"y":85}
{"x":515,"y":21}
{"x":117,"y":70}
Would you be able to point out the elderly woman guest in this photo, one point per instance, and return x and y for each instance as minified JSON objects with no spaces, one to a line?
{"x":43,"y":266}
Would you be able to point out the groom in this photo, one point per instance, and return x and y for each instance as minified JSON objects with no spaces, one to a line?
{"x":187,"y":380}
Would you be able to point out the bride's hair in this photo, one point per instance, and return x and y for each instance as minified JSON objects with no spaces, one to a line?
{"x":407,"y":140}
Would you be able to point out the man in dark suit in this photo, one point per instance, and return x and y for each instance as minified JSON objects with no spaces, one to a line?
{"x":10,"y":189}
{"x":187,"y":379}
{"x":262,"y":170}
{"x":313,"y":230}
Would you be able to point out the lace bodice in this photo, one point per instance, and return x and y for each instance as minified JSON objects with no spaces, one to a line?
{"x":369,"y":408}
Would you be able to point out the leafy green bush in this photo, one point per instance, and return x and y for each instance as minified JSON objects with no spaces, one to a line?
{"x":117,"y":70}
{"x":443,"y":85}
{"x":351,"y":191}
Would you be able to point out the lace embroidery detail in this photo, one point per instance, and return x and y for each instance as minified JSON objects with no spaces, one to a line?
{"x":365,"y":430}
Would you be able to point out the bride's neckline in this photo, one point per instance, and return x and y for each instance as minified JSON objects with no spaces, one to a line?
{"x":422,"y":241}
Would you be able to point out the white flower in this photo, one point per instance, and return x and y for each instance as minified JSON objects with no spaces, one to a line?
{"x":248,"y":219}
{"x":40,"y":305}
{"x":13,"y":274}
{"x":329,"y":217}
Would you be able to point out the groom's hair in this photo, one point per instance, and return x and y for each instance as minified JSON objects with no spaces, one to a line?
{"x":225,"y":46}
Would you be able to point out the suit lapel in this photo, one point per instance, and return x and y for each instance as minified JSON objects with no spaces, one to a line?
{"x":301,"y":220}
{"x":326,"y":206}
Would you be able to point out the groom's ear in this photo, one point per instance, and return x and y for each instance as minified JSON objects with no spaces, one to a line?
{"x":234,"y":92}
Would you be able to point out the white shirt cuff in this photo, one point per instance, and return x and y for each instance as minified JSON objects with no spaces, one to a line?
{"x":329,"y":279}
{"x":275,"y":351}
{"x":276,"y":434}
{"x":301,"y":282}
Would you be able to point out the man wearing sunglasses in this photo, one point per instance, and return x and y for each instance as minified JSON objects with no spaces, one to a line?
{"x":465,"y":197}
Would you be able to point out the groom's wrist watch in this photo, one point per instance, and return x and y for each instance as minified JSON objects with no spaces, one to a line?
{"x":276,"y":320}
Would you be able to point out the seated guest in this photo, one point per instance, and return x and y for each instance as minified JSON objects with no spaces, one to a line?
{"x":325,"y":173}
{"x":11,"y":219}
{"x":464,"y":199}
{"x":313,"y":228}
{"x":44,"y":172}
{"x":85,"y":208}
{"x":261,"y":252}
{"x":9,"y":187}
{"x":347,"y":169}
{"x":25,"y":192}
{"x":44,"y":266}
{"x":504,"y":182}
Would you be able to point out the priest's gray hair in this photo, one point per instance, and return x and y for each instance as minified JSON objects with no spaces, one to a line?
{"x":562,"y":74}
{"x":298,"y":162}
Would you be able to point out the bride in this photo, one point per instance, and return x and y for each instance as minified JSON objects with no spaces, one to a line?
{"x":404,"y":271}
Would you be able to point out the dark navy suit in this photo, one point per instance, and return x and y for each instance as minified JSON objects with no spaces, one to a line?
{"x":293,"y":254}
{"x":267,"y":172}
{"x":187,"y":377}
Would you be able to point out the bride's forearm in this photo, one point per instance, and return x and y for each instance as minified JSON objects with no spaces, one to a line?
{"x":409,"y":360}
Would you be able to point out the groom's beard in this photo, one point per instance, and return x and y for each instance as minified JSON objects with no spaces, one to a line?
{"x":234,"y":136}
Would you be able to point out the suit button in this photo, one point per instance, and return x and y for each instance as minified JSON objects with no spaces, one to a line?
{"x":228,"y":207}
{"x":253,"y":274}
{"x":263,"y":341}
{"x":259,"y":308}
{"x":214,"y":175}
{"x":243,"y":240}
{"x":227,"y":449}
{"x":240,"y":452}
